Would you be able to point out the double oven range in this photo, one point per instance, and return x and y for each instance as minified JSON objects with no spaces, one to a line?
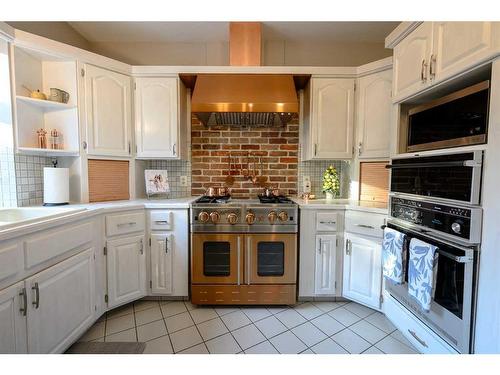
{"x":437,"y":199}
{"x":243,"y":251}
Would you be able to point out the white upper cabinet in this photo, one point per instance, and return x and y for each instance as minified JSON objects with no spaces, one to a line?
{"x":411,"y":61}
{"x":326,"y":257}
{"x":436,"y":51}
{"x":126,"y":265}
{"x":13,"y":306}
{"x":158,"y":117}
{"x":374,"y":110}
{"x":458,"y":45}
{"x":362,"y":273}
{"x":108,"y":112}
{"x":329,"y":119}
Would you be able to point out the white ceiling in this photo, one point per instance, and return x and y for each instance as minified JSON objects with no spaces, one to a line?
{"x":192,"y":32}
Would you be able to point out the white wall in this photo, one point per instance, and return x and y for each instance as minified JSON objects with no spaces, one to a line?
{"x":488,"y":307}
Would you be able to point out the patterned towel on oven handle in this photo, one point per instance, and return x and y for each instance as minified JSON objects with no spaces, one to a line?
{"x":392,"y":255}
{"x":422,"y":271}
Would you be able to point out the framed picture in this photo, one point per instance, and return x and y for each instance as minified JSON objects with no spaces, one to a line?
{"x":156,"y":182}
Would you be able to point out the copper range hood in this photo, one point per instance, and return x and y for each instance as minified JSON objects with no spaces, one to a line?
{"x":244,"y":99}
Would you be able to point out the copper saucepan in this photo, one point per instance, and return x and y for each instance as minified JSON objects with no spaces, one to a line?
{"x":217,"y":191}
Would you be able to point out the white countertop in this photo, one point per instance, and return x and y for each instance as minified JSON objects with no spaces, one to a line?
{"x":323,"y":204}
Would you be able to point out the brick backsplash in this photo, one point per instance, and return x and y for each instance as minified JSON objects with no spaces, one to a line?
{"x":176,"y":169}
{"x":278,"y":148}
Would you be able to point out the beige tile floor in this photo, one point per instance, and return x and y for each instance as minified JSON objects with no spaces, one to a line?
{"x":307,"y":328}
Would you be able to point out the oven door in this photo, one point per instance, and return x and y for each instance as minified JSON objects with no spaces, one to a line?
{"x":450,"y":177}
{"x":215,"y":258}
{"x":271,"y":259}
{"x":451,"y":310}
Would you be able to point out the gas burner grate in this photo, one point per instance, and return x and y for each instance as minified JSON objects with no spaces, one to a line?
{"x":274,"y":199}
{"x":223,"y":199}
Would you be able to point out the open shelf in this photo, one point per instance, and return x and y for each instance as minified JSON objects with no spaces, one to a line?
{"x":46,"y":151}
{"x":47,"y":105}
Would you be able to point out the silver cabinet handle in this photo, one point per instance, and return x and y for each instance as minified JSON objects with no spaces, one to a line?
{"x":327,"y":222}
{"x":315,"y":149}
{"x":141,"y":248}
{"x":423,"y":71}
{"x":129,"y":223}
{"x":348,"y":247}
{"x":36,"y":302}
{"x":422,"y":342}
{"x":24,"y":309}
{"x":432,"y":68}
{"x":365,"y":226}
{"x":173,"y":149}
{"x":238,"y":252}
{"x":360,"y":145}
{"x":249,"y":244}
{"x":319,"y":249}
{"x":161,"y":222}
{"x":166,"y":245}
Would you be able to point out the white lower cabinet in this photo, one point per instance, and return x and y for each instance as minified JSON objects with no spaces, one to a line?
{"x":162,"y":248}
{"x":60,"y":303}
{"x":362,"y":273}
{"x":326,"y":256}
{"x":126,"y":266}
{"x":13,"y":320}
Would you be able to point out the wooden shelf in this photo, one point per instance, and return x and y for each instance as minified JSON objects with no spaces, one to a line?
{"x":47,"y":105}
{"x":46,"y":151}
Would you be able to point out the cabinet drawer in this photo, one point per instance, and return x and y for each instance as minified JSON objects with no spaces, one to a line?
{"x":43,"y":247}
{"x":422,"y":337}
{"x":326,"y":221}
{"x":161,"y":220}
{"x":125,"y":223}
{"x":365,"y":223}
{"x":11,"y":260}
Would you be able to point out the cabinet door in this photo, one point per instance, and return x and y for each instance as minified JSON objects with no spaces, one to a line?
{"x":362,"y":274}
{"x":332,"y":118}
{"x":156,"y":117}
{"x":108,"y":112}
{"x":374,"y":115}
{"x":411,"y":62}
{"x":460,"y":45}
{"x":13,"y":320}
{"x":162,"y":248}
{"x":126,"y":264}
{"x":61,"y":303}
{"x":326,"y":255}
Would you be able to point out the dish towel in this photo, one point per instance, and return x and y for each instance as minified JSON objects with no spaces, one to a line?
{"x":392,"y":255}
{"x":422,"y":270}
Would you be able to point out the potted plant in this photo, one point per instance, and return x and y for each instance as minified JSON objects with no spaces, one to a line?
{"x":331,"y":183}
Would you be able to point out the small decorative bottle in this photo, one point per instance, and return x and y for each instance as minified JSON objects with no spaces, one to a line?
{"x":42,"y":139}
{"x":55,"y":140}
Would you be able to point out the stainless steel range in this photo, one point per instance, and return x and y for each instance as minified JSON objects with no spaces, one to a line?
{"x":243,"y":251}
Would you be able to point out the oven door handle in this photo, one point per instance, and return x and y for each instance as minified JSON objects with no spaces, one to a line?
{"x":248,"y":249}
{"x":456,"y":258}
{"x":464,"y":163}
{"x":238,"y":252}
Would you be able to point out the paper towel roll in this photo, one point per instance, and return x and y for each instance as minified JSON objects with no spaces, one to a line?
{"x":55,"y":186}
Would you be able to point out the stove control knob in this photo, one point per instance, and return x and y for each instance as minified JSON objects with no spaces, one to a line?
{"x":283,"y":216}
{"x":250,"y":218}
{"x":232,"y":218}
{"x":272,"y":216}
{"x":203,"y":216}
{"x":214,"y":217}
{"x":456,"y":227}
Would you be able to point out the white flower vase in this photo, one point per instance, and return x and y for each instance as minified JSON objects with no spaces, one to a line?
{"x":330,"y":196}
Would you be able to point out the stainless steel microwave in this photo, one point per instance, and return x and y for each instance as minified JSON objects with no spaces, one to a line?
{"x":457,"y":119}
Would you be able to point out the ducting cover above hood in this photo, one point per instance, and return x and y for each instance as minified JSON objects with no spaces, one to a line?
{"x":244,"y":99}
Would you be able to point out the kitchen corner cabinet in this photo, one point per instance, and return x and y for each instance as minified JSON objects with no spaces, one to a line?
{"x":374,"y":111}
{"x":126,"y":266}
{"x":107,"y":112}
{"x":160,"y":118}
{"x":436,"y":51}
{"x":328,"y":119}
{"x":362,"y":273}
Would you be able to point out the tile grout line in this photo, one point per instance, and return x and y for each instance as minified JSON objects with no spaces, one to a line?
{"x":262,"y":333}
{"x":199,"y":333}
{"x":166,"y":328}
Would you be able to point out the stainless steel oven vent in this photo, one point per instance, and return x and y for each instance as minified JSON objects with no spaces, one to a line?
{"x":254,"y":119}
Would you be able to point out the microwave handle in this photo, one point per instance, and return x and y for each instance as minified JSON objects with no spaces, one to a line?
{"x":465,"y":163}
